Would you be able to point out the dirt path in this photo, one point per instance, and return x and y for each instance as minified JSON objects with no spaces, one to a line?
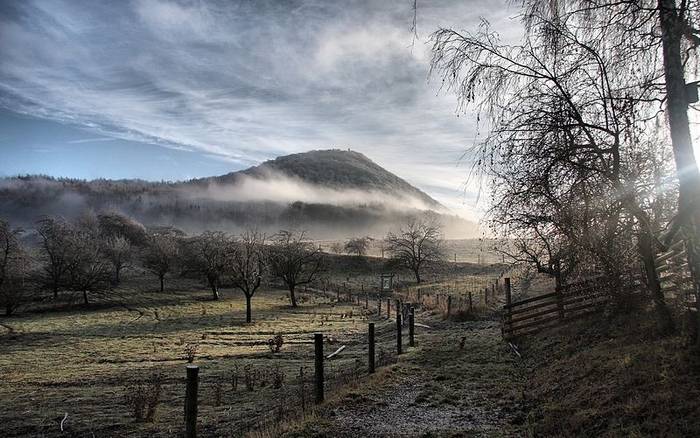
{"x":436,"y":389}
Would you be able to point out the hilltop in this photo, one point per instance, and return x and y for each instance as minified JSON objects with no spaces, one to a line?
{"x":332,"y":193}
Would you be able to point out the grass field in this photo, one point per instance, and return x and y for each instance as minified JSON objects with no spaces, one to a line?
{"x":81,"y":363}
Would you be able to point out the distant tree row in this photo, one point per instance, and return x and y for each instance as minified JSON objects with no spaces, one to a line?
{"x":89,"y":255}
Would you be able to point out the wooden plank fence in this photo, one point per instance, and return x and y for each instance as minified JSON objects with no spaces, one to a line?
{"x":533,"y":314}
{"x":675,"y":278}
{"x":566,"y":303}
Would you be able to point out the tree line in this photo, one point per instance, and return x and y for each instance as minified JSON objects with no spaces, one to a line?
{"x":88,"y":256}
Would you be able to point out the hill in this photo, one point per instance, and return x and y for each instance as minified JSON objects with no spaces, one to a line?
{"x":332,"y":193}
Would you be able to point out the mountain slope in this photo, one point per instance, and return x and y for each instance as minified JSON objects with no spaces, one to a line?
{"x":330,"y":193}
{"x":334,"y":168}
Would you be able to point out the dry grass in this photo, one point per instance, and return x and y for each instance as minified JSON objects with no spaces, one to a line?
{"x":612,"y":378}
{"x":80,"y":362}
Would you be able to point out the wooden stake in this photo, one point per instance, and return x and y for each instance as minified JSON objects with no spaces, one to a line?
{"x":370,"y":349}
{"x":411,"y":328}
{"x":191,"y":401}
{"x":318,"y":376}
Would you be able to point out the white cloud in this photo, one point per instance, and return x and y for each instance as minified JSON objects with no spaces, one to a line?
{"x":246,"y":81}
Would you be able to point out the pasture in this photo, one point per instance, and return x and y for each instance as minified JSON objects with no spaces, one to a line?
{"x":81,"y":366}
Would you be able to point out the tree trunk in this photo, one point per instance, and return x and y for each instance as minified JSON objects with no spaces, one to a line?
{"x":292,"y":297}
{"x":85,"y":298}
{"x":215,"y":291}
{"x":248,"y":309}
{"x":416,"y":272}
{"x":162,"y":282}
{"x":686,"y":166}
{"x":665,"y":320}
{"x":8,"y":310}
{"x":55,"y":291}
{"x":116,"y":276}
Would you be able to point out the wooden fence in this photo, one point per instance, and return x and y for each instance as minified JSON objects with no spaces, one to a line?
{"x":456,"y":297}
{"x":565,"y":304}
{"x":292,"y":400}
{"x":674,"y":275}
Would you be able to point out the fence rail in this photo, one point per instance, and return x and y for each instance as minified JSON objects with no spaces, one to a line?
{"x":675,"y":278}
{"x":566,"y":303}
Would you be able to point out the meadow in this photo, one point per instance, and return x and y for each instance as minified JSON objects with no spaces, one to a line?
{"x":80,"y":367}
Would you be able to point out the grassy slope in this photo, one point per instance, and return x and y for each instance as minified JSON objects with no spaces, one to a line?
{"x":612,"y":378}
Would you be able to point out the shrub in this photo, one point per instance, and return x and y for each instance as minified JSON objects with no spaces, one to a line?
{"x":143,"y":397}
{"x":191,"y":351}
{"x":275,"y":343}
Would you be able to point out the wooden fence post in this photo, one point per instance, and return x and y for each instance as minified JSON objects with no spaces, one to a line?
{"x":486,"y":296}
{"x":411,"y":327}
{"x":560,"y":302}
{"x":449,"y":305}
{"x":388,"y":308}
{"x":191,"y":401}
{"x":367,"y":301}
{"x":506,"y":283}
{"x":379,"y":307}
{"x":370,"y":348}
{"x":337,"y":295}
{"x":318,"y":376}
{"x":398,"y":330}
{"x":470,"y":301}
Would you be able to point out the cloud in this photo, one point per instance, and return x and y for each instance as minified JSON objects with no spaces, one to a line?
{"x":245,"y":81}
{"x":91,"y":140}
{"x":279,"y":188}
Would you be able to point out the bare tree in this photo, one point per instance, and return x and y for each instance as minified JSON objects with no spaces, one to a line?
{"x":357,"y":246}
{"x":248,"y":266}
{"x":418,"y":242}
{"x":120,"y":253}
{"x":210,"y":254}
{"x":117,"y":225}
{"x":88,"y":268}
{"x":56,"y":244}
{"x":570,"y":142}
{"x":13,"y":268}
{"x":161,"y":253}
{"x":294,"y":260}
{"x":337,"y":247}
{"x":658,"y":40}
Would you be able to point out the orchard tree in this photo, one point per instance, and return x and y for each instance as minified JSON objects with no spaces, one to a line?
{"x":56,"y":246}
{"x":417,"y":242}
{"x":210,"y":254}
{"x":120,"y":253}
{"x":13,"y":269}
{"x":248,"y":266}
{"x":294,"y":260}
{"x":118,"y":225}
{"x":88,"y":268}
{"x":160,"y":256}
{"x":357,"y":246}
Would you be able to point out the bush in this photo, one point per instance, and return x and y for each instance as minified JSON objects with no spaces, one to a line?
{"x":275,"y":343}
{"x":191,"y":351}
{"x":143,"y":397}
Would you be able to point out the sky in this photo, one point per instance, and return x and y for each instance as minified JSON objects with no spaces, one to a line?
{"x":172,"y":90}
